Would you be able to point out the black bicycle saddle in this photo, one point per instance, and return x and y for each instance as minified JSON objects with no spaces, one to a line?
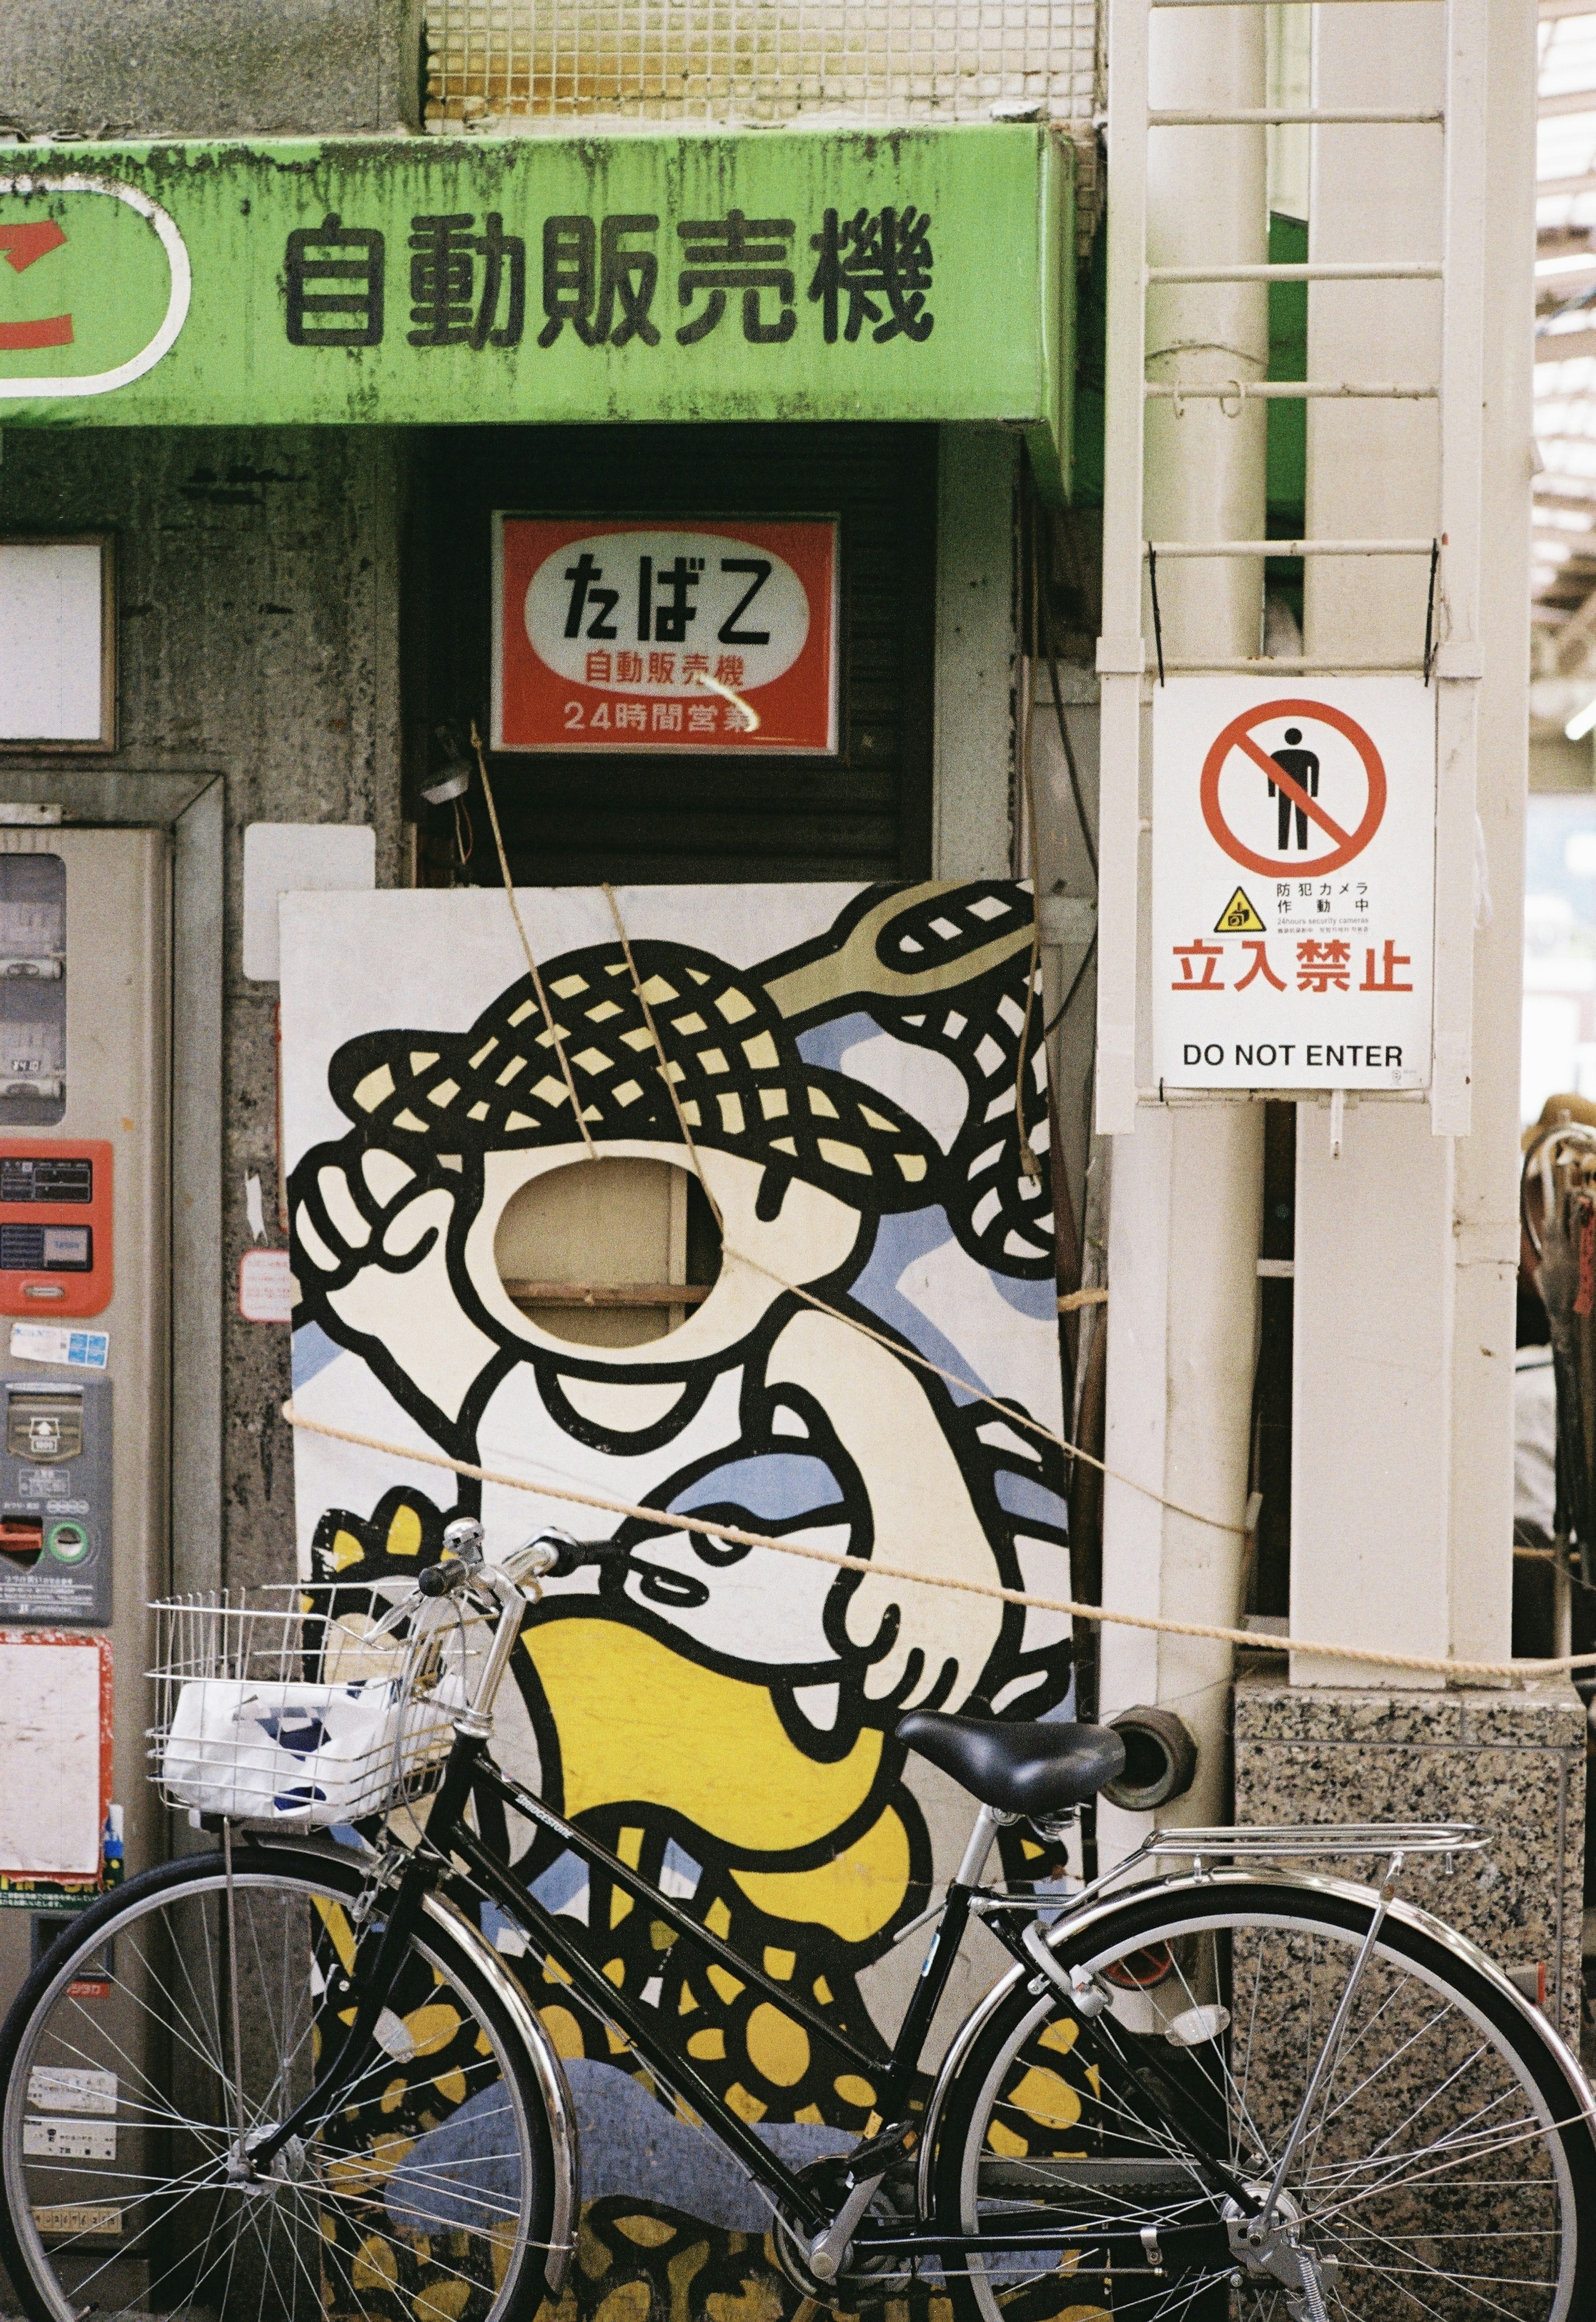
{"x":1025,"y":1770}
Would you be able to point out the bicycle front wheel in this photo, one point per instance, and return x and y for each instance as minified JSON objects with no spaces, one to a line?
{"x":1444,"y":2169}
{"x":426,"y":2196}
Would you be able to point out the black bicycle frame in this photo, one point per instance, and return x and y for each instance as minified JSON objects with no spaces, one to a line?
{"x":451,"y":1842}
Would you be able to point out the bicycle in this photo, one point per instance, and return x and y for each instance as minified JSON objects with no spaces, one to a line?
{"x":292,"y":2076}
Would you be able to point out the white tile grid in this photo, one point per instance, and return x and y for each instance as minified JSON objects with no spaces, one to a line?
{"x":524,"y":64}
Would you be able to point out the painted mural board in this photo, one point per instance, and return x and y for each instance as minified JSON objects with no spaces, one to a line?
{"x":624,"y":634}
{"x":850,"y":1060}
{"x":798,"y":274}
{"x":1293,"y":881}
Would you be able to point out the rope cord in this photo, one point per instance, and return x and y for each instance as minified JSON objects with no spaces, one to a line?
{"x":905,"y":1353}
{"x":665,"y":1518}
{"x":666,"y":1074}
{"x":556,"y":1034}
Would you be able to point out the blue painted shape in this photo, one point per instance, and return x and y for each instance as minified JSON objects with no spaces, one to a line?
{"x":679,"y":1873}
{"x":826,"y":1045}
{"x":1035,"y":1298}
{"x":464,"y":2175}
{"x":561,"y":1882}
{"x":1022,"y":1495}
{"x":772,"y":1486}
{"x":900,"y":1241}
{"x":312,"y":1351}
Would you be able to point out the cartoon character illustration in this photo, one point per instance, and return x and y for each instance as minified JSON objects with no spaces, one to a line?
{"x":862,"y":1106}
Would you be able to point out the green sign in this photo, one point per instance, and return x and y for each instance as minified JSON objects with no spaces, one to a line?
{"x":923,"y":274}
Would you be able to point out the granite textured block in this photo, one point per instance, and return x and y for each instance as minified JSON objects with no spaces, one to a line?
{"x":1513,"y":1763}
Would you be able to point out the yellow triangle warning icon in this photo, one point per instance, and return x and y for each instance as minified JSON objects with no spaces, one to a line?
{"x":1238,"y":918}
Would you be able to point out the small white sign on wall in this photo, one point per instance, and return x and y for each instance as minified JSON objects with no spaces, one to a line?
{"x":1293,"y":883}
{"x":57,"y":681}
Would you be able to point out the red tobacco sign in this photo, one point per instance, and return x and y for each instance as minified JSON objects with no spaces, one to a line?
{"x":626,"y":634}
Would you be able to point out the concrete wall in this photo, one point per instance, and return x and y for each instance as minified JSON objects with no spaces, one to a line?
{"x":259,"y":640}
{"x":209,"y":67}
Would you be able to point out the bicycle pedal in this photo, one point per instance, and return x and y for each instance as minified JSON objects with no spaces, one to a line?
{"x":877,"y":2154}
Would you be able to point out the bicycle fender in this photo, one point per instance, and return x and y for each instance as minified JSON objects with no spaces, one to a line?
{"x":552,"y":2084}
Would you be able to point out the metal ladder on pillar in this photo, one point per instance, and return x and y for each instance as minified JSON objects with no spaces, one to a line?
{"x":1456,"y":663}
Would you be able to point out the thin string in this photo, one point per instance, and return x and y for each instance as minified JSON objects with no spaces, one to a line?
{"x":666,"y":1519}
{"x":666,"y":1074}
{"x":556,"y":1033}
{"x":882,"y":1338}
{"x":1027,"y":1159}
{"x":905,"y":1353}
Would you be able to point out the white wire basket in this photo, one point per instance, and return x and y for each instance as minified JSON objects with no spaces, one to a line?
{"x":308,"y":1705}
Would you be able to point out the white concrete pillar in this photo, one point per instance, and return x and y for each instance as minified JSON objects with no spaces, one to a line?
{"x":1187,"y":1185}
{"x":1403,"y":1301}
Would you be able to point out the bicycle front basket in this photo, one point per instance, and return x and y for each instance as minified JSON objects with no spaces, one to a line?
{"x":280,"y":1707}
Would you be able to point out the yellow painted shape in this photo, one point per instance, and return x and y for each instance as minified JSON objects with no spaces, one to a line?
{"x":1005,"y":2141}
{"x":709,"y":2046}
{"x":760,"y":2300}
{"x":854,"y":1895}
{"x":1060,"y":2034}
{"x":1043,"y":2097}
{"x":637,"y":1721}
{"x":332,"y":1916}
{"x":853,"y":2090}
{"x":346,"y":1550}
{"x":648,"y":2233}
{"x":779,"y":1963}
{"x":718,"y":1918}
{"x":442,"y":2302}
{"x":778,"y":2048}
{"x":616,"y":1972}
{"x":812,"y":2115}
{"x":432,"y":2027}
{"x":403,"y":1534}
{"x":680,"y":2271}
{"x":375,"y":2267}
{"x":727,"y":1987}
{"x":393,"y":2096}
{"x":746,"y":2106}
{"x":554,"y":1973}
{"x":686,"y":2004}
{"x":451,"y":2087}
{"x":563,"y":2029}
{"x":823,"y":1991}
{"x":629,"y":2303}
{"x":629,"y":1848}
{"x":620,"y":1904}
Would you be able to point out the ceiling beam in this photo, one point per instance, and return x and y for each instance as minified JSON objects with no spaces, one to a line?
{"x":1575,"y":636}
{"x":1564,"y":102}
{"x":1551,"y":10}
{"x":1548,"y":189}
{"x":1564,"y":346}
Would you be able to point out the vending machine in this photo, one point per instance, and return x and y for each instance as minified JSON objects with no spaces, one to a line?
{"x":85,"y":1021}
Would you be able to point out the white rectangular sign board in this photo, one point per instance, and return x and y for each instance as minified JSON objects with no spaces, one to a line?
{"x":1293,"y":881}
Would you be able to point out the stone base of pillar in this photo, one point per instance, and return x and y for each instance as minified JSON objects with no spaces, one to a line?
{"x":1514,"y":1762}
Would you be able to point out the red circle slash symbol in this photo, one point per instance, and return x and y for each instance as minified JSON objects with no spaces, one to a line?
{"x":1238,"y":735}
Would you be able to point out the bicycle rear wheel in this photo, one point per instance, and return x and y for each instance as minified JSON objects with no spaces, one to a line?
{"x":430,"y":2196}
{"x":1446,"y":2172}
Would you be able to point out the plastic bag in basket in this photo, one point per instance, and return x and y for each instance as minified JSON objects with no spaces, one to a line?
{"x":282,"y":1750}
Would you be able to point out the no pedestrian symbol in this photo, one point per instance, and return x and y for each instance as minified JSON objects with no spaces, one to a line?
{"x":1325,"y":803}
{"x":1291,"y":933}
